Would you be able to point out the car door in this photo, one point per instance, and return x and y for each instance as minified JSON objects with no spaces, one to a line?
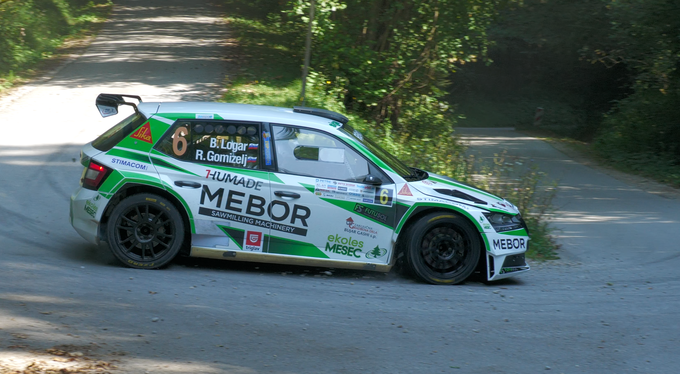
{"x":325,"y":197}
{"x":214,"y":166}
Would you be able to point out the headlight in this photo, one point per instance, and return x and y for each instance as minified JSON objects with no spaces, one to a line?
{"x":505,"y":222}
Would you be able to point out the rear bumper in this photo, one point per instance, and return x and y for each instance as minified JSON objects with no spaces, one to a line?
{"x":86,"y":209}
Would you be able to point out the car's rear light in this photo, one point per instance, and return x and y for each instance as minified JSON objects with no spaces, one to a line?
{"x":94,"y":175}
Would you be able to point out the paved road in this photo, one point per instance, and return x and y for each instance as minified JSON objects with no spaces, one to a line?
{"x":611,"y":306}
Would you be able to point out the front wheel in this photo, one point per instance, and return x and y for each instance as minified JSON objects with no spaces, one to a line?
{"x":145,"y":231}
{"x":442,"y":248}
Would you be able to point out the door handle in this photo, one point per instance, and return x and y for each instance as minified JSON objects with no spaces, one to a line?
{"x":187,"y":184}
{"x":291,"y":195}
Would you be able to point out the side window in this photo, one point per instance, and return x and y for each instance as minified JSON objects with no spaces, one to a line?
{"x":316,"y":154}
{"x":216,"y":143}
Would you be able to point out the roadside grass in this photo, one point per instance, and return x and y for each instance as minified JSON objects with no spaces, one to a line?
{"x":525,"y":186}
{"x":269,"y":73}
{"x":56,"y":37}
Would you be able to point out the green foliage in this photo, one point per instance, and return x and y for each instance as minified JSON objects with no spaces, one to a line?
{"x":602,"y":70}
{"x":430,"y":144}
{"x":642,"y":131}
{"x":645,"y":35}
{"x":523,"y":185}
{"x":643,"y":136}
{"x":389,"y":61}
{"x":32,"y":29}
{"x":538,"y":61}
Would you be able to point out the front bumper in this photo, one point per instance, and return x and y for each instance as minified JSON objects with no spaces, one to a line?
{"x":505,"y":256}
{"x":505,"y":266}
{"x":87,"y":207}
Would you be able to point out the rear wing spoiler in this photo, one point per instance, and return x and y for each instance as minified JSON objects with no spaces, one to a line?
{"x":108,"y":104}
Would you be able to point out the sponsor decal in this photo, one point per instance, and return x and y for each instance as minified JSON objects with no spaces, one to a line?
{"x":371,"y":213}
{"x":344,"y":246}
{"x":510,"y":270}
{"x":359,"y":193}
{"x":482,"y":222}
{"x":510,"y":244}
{"x":91,"y":208}
{"x":335,"y":124}
{"x":253,"y":242}
{"x":205,"y":116}
{"x":405,"y":191}
{"x":441,"y":201}
{"x":143,"y":134}
{"x":376,"y":252}
{"x":432,"y":200}
{"x":131,"y":164}
{"x":252,"y":221}
{"x":429,"y":182}
{"x":235,"y":179}
{"x":363,"y":230}
{"x":254,"y":207}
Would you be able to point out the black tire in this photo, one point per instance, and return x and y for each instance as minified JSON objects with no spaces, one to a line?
{"x":145,"y":231}
{"x":442,"y":248}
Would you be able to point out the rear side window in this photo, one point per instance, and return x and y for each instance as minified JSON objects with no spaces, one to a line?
{"x":220,"y":143}
{"x":114,"y":135}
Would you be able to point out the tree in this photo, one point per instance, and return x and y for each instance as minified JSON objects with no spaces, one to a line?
{"x":389,"y":59}
{"x":645,"y":36}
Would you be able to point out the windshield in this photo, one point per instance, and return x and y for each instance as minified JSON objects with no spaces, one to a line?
{"x":408,"y":173}
{"x":114,"y":135}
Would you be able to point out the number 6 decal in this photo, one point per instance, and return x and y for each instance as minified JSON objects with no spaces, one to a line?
{"x":179,"y":142}
{"x":383,"y":196}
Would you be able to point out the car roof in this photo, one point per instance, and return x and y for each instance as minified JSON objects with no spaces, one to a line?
{"x":237,"y":112}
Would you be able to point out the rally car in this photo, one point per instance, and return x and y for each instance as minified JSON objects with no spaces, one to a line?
{"x":278,"y":185}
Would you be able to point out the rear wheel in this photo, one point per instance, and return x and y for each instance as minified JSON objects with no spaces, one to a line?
{"x":145,"y":231}
{"x":442,"y":248}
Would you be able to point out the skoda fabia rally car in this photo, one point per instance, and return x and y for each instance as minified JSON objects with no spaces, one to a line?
{"x":290,"y":186}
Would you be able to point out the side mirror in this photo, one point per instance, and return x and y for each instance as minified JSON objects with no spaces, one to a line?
{"x":372,"y":180}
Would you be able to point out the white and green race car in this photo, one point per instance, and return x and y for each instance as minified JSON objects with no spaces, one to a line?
{"x":289,"y":186}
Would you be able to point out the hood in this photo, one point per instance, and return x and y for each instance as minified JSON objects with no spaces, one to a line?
{"x":447,"y":188}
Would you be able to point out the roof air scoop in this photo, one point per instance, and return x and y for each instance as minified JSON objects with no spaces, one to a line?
{"x":108,"y":104}
{"x":322,"y":113}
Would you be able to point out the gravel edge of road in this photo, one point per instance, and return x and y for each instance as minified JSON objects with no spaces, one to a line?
{"x":645,"y":184}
